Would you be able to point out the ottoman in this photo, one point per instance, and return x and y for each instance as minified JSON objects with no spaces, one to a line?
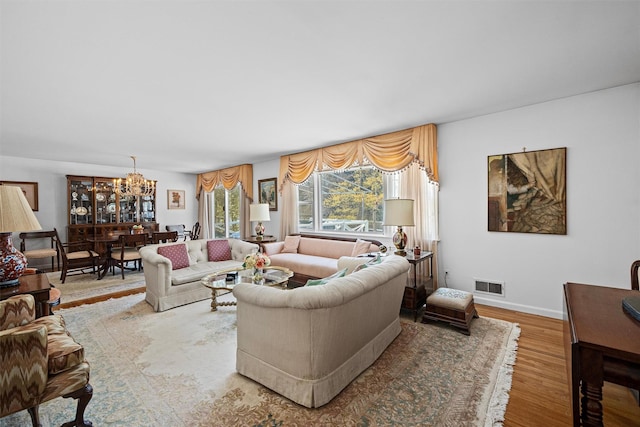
{"x":451,"y":305}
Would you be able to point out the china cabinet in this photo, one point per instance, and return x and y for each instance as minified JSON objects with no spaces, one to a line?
{"x":95,"y":208}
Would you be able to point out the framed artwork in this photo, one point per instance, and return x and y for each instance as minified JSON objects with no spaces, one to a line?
{"x":267,"y":192}
{"x":528,"y":192}
{"x":175,"y":199}
{"x":30,"y":190}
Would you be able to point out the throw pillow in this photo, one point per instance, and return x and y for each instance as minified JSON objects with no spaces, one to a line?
{"x":376,"y":260}
{"x":177,"y":254}
{"x":361,"y":247}
{"x":219,"y":250}
{"x":291,"y":244}
{"x":316,"y":282}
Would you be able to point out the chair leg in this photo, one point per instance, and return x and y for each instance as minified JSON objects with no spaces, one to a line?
{"x":35,"y":416}
{"x":83,"y":395}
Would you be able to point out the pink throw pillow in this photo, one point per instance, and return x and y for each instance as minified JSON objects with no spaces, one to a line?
{"x":177,"y":254}
{"x":291,"y":244}
{"x":361,"y":247}
{"x":219,"y":250}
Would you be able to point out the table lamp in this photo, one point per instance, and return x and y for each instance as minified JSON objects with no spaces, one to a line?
{"x":259,"y":212}
{"x":399,"y":212}
{"x":15,"y":215}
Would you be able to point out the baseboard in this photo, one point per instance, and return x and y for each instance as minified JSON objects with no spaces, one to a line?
{"x":518,"y":307}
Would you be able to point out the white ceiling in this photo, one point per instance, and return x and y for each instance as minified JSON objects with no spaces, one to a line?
{"x":193,"y":86}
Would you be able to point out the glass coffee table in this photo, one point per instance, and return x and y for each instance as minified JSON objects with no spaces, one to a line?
{"x":223,"y":281}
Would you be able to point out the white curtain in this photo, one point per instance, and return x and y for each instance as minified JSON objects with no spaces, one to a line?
{"x":289,"y":218}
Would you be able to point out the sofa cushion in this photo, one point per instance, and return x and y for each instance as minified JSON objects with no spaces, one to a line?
{"x":291,"y":244}
{"x":313,"y":266}
{"x":219,"y":250}
{"x":177,"y":254}
{"x":361,"y":247}
{"x":316,"y":282}
{"x":199,"y":270}
{"x":62,"y":350}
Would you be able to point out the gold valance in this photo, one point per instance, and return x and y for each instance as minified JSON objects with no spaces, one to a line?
{"x":228,"y":177}
{"x":389,"y":152}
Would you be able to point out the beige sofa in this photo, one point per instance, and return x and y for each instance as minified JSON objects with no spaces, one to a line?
{"x":310,"y":342}
{"x":315,"y":256}
{"x":168,"y":288}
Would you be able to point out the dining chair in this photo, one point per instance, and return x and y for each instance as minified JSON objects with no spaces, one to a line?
{"x":128,"y":251}
{"x":37,"y":251}
{"x":164,"y":236}
{"x":179,"y":228}
{"x":76,"y":257}
{"x":194,"y":234}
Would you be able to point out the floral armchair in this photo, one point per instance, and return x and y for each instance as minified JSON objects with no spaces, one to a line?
{"x":39,"y":361}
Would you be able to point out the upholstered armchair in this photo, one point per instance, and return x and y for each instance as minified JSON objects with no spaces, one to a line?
{"x":39,"y":361}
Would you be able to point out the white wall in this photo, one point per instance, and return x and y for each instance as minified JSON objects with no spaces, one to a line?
{"x":601,"y":131}
{"x":268,"y":170}
{"x":52,"y":189}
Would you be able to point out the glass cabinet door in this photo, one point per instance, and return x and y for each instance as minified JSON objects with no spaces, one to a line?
{"x":129,"y":208}
{"x":148,"y":211}
{"x":105,"y":202}
{"x":80,"y":201}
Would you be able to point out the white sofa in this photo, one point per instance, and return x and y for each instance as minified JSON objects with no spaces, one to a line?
{"x":167,"y":288}
{"x":309,"y":343}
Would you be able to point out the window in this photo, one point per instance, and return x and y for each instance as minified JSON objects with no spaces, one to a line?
{"x":350,"y":201}
{"x":226,"y":212}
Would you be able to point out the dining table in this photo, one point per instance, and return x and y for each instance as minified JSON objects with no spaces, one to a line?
{"x":103,"y":245}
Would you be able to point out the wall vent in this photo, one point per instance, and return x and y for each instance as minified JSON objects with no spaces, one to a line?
{"x":489,"y":287}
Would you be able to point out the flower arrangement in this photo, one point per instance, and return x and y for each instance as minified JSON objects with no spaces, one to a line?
{"x":256,"y":260}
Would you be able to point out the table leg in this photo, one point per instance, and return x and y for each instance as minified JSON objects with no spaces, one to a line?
{"x":592,"y":376}
{"x":214,"y":301}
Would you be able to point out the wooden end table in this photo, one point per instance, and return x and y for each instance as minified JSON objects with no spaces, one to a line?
{"x":34,"y":284}
{"x":259,"y":240}
{"x":415,"y":294}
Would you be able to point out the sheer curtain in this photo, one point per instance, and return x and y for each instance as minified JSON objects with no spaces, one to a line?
{"x":228,"y":178}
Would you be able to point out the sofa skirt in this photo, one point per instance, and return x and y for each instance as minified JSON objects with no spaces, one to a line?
{"x":316,"y":392}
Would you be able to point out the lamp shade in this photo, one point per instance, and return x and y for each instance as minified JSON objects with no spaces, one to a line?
{"x":398,"y":212}
{"x":15,"y":215}
{"x":15,"y":212}
{"x":259,"y":212}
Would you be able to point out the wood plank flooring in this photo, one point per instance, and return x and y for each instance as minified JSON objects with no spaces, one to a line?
{"x":539,"y":391}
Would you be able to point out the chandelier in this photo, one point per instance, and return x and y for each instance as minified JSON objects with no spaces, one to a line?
{"x":134,"y":184}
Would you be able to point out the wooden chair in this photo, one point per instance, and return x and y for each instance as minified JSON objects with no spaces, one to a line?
{"x":164,"y":236}
{"x":194,"y":234}
{"x":76,"y":257}
{"x":179,"y":228}
{"x":634,"y":275}
{"x":41,"y":252}
{"x":128,"y":251}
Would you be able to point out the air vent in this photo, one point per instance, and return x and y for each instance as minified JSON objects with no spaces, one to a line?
{"x":490,"y":287}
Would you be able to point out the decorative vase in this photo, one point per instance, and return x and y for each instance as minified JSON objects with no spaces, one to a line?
{"x":258,"y":276}
{"x":12,"y":261}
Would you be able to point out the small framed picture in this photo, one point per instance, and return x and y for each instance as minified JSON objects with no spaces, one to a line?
{"x":268,"y":192}
{"x":175,"y":199}
{"x":29,"y":189}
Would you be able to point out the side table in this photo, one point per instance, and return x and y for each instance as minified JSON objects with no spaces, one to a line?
{"x":415,"y":293}
{"x":35,"y":284}
{"x":260,"y":240}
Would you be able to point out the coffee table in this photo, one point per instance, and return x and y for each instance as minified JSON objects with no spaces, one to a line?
{"x":274,"y":276}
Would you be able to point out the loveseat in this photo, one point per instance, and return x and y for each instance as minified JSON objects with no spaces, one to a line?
{"x":310,"y":342}
{"x":312,"y":257}
{"x":172,"y":271}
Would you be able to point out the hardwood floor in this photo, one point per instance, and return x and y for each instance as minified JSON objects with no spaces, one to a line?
{"x":539,"y":391}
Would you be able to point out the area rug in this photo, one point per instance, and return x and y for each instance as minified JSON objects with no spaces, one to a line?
{"x":178,"y":368}
{"x":85,"y":286}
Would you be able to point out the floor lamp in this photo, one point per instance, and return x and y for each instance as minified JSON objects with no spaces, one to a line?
{"x":399,"y":212}
{"x":15,"y":215}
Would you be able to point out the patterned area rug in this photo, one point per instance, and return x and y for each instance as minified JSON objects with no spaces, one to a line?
{"x":83,"y":286}
{"x":178,"y":368}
